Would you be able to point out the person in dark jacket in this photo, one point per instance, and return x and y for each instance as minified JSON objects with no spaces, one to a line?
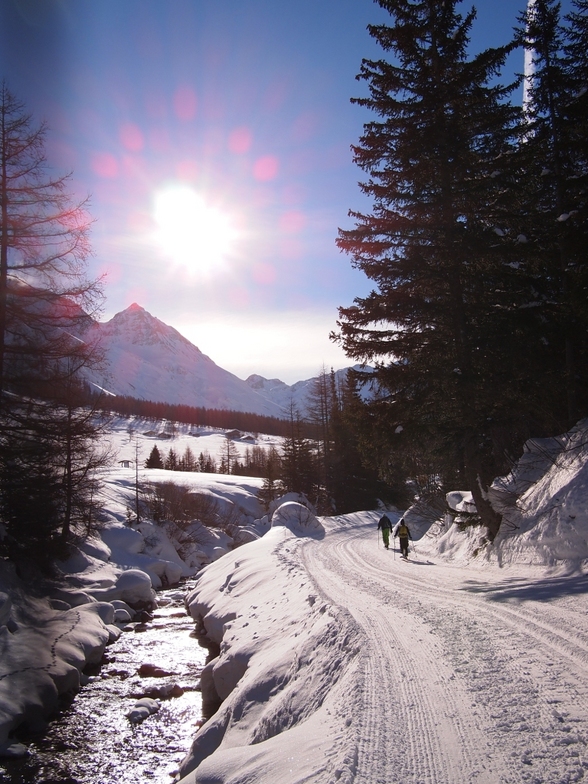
{"x":385,"y":525}
{"x":403,"y":533}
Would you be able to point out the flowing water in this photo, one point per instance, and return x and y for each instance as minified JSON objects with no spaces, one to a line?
{"x":93,"y":742}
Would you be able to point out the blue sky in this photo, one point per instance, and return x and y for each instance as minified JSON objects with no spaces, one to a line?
{"x":237,"y":110}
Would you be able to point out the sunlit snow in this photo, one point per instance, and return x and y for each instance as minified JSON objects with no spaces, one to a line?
{"x":328,"y":644}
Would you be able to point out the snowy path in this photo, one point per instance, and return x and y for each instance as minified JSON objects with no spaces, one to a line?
{"x":468,"y":675}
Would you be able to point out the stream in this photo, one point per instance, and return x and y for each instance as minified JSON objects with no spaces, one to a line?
{"x":91,"y":741}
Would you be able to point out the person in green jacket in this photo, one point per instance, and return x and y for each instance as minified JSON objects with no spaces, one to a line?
{"x":403,"y":533}
{"x":385,"y":525}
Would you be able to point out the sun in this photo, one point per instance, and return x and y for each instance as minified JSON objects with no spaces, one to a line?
{"x":193,"y":232}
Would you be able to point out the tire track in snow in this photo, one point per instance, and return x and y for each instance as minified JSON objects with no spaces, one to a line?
{"x":564,"y":650}
{"x":487,"y":691}
{"x":407,"y":727}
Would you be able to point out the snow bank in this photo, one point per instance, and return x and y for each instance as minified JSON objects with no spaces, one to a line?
{"x":45,"y":644}
{"x":544,"y":503}
{"x":544,"y":506}
{"x":42,"y":653}
{"x":284,"y":658}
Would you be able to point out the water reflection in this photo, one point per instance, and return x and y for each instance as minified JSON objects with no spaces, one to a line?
{"x":93,"y":742}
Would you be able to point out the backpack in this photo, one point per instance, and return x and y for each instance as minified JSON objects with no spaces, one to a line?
{"x":402,"y":531}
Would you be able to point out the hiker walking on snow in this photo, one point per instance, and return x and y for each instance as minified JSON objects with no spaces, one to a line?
{"x":385,"y":525}
{"x":403,"y":533}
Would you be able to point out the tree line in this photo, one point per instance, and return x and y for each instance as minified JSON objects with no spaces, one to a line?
{"x":319,"y":456}
{"x":475,"y":243}
{"x":193,"y":415}
{"x":255,"y":461}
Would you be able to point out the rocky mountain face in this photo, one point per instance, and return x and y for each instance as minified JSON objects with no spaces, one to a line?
{"x":282,"y":394}
{"x":296,"y":395}
{"x":150,"y":360}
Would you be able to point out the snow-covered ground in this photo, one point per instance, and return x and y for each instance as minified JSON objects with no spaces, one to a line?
{"x":50,"y":633}
{"x":340,"y":662}
{"x":134,"y":437}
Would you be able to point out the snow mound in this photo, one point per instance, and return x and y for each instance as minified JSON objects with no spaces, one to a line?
{"x":283,"y":657}
{"x":42,"y":653}
{"x":134,"y":587}
{"x":298,"y":519}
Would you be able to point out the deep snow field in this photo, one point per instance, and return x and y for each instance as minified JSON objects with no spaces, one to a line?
{"x":338,"y":661}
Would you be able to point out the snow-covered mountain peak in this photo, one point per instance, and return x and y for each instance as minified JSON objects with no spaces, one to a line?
{"x":136,"y":326}
{"x":256,"y":381}
{"x":150,"y":360}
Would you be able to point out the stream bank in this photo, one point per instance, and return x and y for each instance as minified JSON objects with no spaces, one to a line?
{"x":92,"y":741}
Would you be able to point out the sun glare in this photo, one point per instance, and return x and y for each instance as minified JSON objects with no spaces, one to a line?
{"x":191,"y":231}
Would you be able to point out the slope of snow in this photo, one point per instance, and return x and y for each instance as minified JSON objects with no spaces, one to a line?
{"x":286,"y":654}
{"x":333,"y":649}
{"x":45,"y":643}
{"x":132,"y":438}
{"x":475,"y":656}
{"x":149,"y":360}
{"x":544,"y":504}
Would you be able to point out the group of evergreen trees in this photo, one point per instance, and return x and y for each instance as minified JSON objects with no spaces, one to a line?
{"x":320,"y":455}
{"x":47,"y":452}
{"x":255,"y":461}
{"x":194,"y":415}
{"x":476,"y":244}
{"x":328,"y":467}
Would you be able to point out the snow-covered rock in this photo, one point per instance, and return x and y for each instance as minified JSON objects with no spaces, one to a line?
{"x":461,"y":501}
{"x":121,"y":538}
{"x":544,"y":506}
{"x":142,"y":709}
{"x":133,"y":587}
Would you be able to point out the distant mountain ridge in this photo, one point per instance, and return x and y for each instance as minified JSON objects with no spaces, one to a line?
{"x":149,"y":360}
{"x":296,"y":394}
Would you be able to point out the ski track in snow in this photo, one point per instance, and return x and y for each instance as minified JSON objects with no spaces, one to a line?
{"x":466,"y":676}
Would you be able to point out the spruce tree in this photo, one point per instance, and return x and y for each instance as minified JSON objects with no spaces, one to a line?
{"x":171,"y":460}
{"x":438,"y":166}
{"x":154,"y":460}
{"x":555,"y":211}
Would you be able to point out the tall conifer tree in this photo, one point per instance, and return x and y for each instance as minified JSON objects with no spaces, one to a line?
{"x":556,"y":155}
{"x":438,"y":170}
